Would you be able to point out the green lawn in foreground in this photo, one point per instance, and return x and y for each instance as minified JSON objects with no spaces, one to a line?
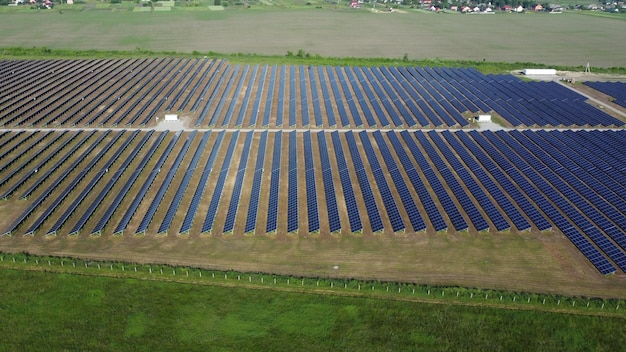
{"x":48,"y":311}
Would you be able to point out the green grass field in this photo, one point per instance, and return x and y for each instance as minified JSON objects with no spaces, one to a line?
{"x":71,"y":312}
{"x":566,"y":39}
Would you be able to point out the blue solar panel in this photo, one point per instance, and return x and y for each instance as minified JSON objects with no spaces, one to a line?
{"x":424,"y":197}
{"x":346,"y":184}
{"x":197,"y":196}
{"x":272,"y":207}
{"x":311,"y":190}
{"x":257,"y":99}
{"x":458,"y":222}
{"x":281,"y":96}
{"x":474,"y":188}
{"x":217,"y":113}
{"x":233,"y":101}
{"x":195,"y":88}
{"x":338,"y":98}
{"x":382,"y":97}
{"x":269,"y":98}
{"x":407,"y":200}
{"x":246,"y":97}
{"x":38,"y":153}
{"x":219,"y":185}
{"x":518,"y":220}
{"x":317,"y":112}
{"x":334,"y":222}
{"x":366,"y":190}
{"x":304,"y":102}
{"x":292,"y":185}
{"x":356,"y":116}
{"x":149,"y":215}
{"x":370,"y":98}
{"x":209,"y":102}
{"x":617,"y":90}
{"x":164,"y":96}
{"x":173,"y":208}
{"x":92,"y":183}
{"x":51,"y":170}
{"x":470,"y":209}
{"x":182,"y":90}
{"x":293,"y":116}
{"x":229,"y":223}
{"x":91,"y":209}
{"x":328,"y":103}
{"x":256,"y":185}
{"x":390,"y":205}
{"x":144,"y":188}
{"x":63,"y":194}
{"x":570,"y":211}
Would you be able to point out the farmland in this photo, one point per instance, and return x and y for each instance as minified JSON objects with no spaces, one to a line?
{"x":566,"y":39}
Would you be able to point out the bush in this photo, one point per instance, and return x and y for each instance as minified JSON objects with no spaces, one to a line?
{"x":115,"y":1}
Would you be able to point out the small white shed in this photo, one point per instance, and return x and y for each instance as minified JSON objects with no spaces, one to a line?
{"x":483,"y":118}
{"x":171,"y":117}
{"x":539,"y":71}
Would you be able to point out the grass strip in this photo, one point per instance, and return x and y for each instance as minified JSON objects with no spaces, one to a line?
{"x":300,"y":57}
{"x":400,"y":291}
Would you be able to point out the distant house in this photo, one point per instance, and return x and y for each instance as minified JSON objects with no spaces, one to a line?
{"x":466,"y":9}
{"x":538,"y":7}
{"x":454,"y":8}
{"x":519,"y":9}
{"x":506,"y":8}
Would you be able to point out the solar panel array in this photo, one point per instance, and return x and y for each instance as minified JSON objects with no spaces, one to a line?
{"x":342,"y":178}
{"x":132,"y":92}
{"x":616,"y":90}
{"x":395,"y":181}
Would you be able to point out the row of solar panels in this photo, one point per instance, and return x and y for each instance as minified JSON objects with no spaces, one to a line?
{"x":617,"y":90}
{"x":134,"y":92}
{"x":103,"y":92}
{"x":374,"y":181}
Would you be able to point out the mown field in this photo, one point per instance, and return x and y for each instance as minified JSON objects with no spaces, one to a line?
{"x":565,"y":39}
{"x":71,"y":312}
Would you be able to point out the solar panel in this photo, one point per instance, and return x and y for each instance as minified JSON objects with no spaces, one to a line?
{"x":334,"y":222}
{"x":458,"y":222}
{"x":219,"y":186}
{"x":156,"y":201}
{"x":144,"y":188}
{"x":423,"y":196}
{"x":272,"y":207}
{"x":173,"y":208}
{"x":65,"y":192}
{"x":257,"y":99}
{"x":256,"y":185}
{"x":202,"y":184}
{"x":346,"y":184}
{"x":116,"y":175}
{"x":92,"y":183}
{"x":311,"y":189}
{"x":229,"y":223}
{"x":366,"y":189}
